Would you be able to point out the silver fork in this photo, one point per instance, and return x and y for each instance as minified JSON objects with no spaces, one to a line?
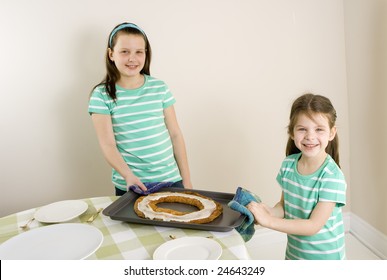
{"x":94,"y":216}
{"x":27,"y":225}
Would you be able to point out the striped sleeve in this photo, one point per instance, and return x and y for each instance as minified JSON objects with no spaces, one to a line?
{"x":168,"y":99}
{"x":333,"y":185}
{"x":287,"y":167}
{"x":99,"y":102}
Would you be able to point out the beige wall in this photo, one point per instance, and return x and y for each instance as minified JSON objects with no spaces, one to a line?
{"x":234,"y":67}
{"x":366,"y":45}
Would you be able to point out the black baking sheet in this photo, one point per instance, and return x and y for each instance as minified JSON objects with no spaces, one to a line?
{"x":122,"y":210}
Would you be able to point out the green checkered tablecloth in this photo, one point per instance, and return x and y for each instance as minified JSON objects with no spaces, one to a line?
{"x":124,"y":240}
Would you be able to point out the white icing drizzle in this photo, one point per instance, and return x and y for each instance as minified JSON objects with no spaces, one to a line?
{"x":208,"y":207}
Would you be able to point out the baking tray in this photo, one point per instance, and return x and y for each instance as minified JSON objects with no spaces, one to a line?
{"x":122,"y":210}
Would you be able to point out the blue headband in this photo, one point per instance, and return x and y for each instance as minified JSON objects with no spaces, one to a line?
{"x":122,"y":26}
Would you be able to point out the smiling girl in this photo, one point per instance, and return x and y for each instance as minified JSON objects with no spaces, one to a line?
{"x":313,"y":186}
{"x":134,"y":117}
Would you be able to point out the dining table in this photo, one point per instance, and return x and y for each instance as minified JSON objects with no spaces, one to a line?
{"x":125,"y":240}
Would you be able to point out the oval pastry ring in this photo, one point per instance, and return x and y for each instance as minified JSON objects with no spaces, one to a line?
{"x":208,"y":209}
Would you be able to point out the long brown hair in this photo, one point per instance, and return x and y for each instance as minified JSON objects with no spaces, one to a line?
{"x":112,"y":73}
{"x":310,"y":104}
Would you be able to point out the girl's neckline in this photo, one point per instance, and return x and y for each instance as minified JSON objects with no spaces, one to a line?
{"x":145,"y":78}
{"x":310,"y":174}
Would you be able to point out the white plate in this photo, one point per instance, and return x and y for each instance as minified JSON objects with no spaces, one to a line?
{"x":189,"y":248}
{"x":54,"y":242}
{"x":61,"y":211}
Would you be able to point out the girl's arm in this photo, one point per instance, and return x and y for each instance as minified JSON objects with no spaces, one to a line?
{"x":178,"y":143}
{"x":278,"y":209}
{"x":104,"y":128}
{"x":311,"y":226}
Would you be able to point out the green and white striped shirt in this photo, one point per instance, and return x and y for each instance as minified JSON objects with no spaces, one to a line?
{"x":139,"y":128}
{"x":301,"y":194}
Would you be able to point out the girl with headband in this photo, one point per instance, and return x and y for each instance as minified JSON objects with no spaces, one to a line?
{"x":134,"y":117}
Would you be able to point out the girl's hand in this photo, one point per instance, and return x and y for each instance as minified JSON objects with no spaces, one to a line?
{"x":134,"y":180}
{"x":187,"y":184}
{"x":261,"y":212}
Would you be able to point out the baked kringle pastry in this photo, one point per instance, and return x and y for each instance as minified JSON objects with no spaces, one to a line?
{"x":208,"y":209}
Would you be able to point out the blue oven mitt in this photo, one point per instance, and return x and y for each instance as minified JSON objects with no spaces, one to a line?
{"x":151,"y":187}
{"x":238,"y":203}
